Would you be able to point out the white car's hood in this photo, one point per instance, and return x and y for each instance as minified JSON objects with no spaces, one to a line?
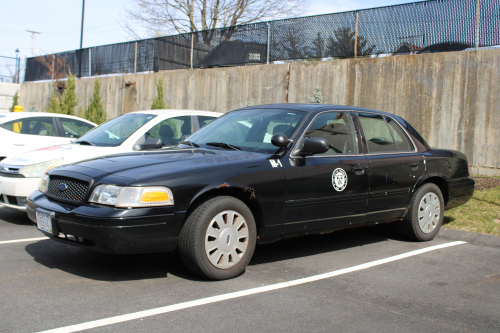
{"x":70,"y":152}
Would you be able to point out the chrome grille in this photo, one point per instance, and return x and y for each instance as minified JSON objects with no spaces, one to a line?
{"x":75,"y":191}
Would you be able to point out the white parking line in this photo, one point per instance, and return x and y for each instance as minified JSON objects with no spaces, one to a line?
{"x":23,"y":240}
{"x":213,"y":299}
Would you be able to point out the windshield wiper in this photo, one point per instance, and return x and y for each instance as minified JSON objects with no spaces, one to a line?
{"x":223,"y":145}
{"x":192,"y":144}
{"x":87,"y":143}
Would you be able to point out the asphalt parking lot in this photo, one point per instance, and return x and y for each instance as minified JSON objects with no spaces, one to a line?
{"x":372,"y":281}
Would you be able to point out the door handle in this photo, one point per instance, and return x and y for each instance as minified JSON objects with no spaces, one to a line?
{"x":414,"y":164}
{"x":359,"y":169}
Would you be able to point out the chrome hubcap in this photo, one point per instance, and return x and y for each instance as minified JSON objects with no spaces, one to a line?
{"x":226,"y":239}
{"x":429,"y":211}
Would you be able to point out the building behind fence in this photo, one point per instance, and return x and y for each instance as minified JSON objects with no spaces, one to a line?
{"x":428,"y":26}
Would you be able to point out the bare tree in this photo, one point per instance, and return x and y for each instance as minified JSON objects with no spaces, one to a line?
{"x":55,"y":68}
{"x":162,"y":17}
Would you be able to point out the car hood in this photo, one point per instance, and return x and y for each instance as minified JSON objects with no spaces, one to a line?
{"x":150,"y":164}
{"x":70,"y":152}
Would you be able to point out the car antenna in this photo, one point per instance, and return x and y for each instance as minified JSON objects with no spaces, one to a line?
{"x":217,"y":107}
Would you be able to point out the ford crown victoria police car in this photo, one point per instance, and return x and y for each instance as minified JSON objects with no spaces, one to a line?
{"x":255,"y":175}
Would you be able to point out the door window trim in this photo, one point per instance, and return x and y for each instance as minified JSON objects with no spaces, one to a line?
{"x":294,"y":149}
{"x":362,"y":132}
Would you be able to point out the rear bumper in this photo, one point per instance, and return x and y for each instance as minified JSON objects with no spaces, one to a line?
{"x":460,"y":191}
{"x":109,"y":234}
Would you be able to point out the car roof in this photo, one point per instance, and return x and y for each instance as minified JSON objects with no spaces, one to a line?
{"x":310,"y":107}
{"x":8,"y":116}
{"x":179,"y":111}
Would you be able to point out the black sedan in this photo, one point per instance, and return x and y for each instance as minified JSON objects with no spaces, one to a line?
{"x":255,"y":175}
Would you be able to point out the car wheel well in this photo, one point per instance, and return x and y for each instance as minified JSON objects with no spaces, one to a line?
{"x":442,"y":184}
{"x":246,"y":196}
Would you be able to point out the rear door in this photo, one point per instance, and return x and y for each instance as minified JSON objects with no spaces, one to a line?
{"x":395,"y":166}
{"x":330,"y":190}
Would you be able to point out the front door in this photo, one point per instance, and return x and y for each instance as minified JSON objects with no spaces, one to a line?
{"x":327,"y":191}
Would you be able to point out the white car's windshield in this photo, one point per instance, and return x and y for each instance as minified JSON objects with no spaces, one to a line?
{"x":249,"y":130}
{"x":115,"y":131}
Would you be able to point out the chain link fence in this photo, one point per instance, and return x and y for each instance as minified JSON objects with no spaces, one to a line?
{"x":427,"y":26}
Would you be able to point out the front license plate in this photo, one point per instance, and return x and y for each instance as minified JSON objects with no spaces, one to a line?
{"x":44,"y":221}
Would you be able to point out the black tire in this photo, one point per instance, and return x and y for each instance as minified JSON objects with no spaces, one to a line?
{"x":195,"y":234}
{"x":410,"y":226}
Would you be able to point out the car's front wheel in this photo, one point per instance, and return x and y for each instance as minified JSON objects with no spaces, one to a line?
{"x":425,"y":216}
{"x":218,"y":239}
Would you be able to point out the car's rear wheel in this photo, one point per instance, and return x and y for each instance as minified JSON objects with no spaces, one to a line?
{"x":218,"y":238}
{"x":425,"y":216}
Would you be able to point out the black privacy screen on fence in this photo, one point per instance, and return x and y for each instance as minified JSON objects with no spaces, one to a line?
{"x":428,"y":26}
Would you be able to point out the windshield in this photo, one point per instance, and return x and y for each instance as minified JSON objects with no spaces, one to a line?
{"x":112,"y":133}
{"x":250,"y":130}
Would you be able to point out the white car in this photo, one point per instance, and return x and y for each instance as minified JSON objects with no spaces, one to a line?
{"x":142,"y":130}
{"x":25,"y":131}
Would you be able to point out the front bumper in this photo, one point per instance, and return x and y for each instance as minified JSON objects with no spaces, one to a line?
{"x":111,"y":230}
{"x":13,"y":191}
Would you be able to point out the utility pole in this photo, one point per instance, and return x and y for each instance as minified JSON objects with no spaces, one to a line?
{"x":18,"y":64}
{"x":81,"y":31}
{"x":33,"y":41}
{"x":81,"y":42}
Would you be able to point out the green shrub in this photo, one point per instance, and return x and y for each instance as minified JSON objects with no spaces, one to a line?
{"x":95,"y":111}
{"x":159,"y":102}
{"x":67,"y":101}
{"x":317,"y":97}
{"x":14,"y":102}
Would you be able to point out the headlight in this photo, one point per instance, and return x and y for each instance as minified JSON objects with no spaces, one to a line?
{"x":44,"y":183}
{"x":37,"y":170}
{"x":119,"y":196}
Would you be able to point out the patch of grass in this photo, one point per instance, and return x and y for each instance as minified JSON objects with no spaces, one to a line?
{"x":481,"y":214}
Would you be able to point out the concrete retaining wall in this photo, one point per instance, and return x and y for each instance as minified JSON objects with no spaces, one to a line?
{"x":7,"y":92}
{"x":453,"y":98}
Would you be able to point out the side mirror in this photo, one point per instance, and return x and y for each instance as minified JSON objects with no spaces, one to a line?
{"x":314,"y":146}
{"x":150,"y":143}
{"x":280,"y":140}
{"x":185,"y":136}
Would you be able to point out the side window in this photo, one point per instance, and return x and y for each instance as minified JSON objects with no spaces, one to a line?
{"x":74,"y":128}
{"x":204,"y":120}
{"x":400,"y":138}
{"x":171,"y":131}
{"x":14,"y":126}
{"x":34,"y":126}
{"x":377,"y":133}
{"x":337,"y":129}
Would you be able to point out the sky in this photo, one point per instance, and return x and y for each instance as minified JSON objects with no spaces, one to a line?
{"x":59,"y":22}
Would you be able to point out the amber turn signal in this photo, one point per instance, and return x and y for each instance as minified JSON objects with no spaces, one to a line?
{"x":154,"y":196}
